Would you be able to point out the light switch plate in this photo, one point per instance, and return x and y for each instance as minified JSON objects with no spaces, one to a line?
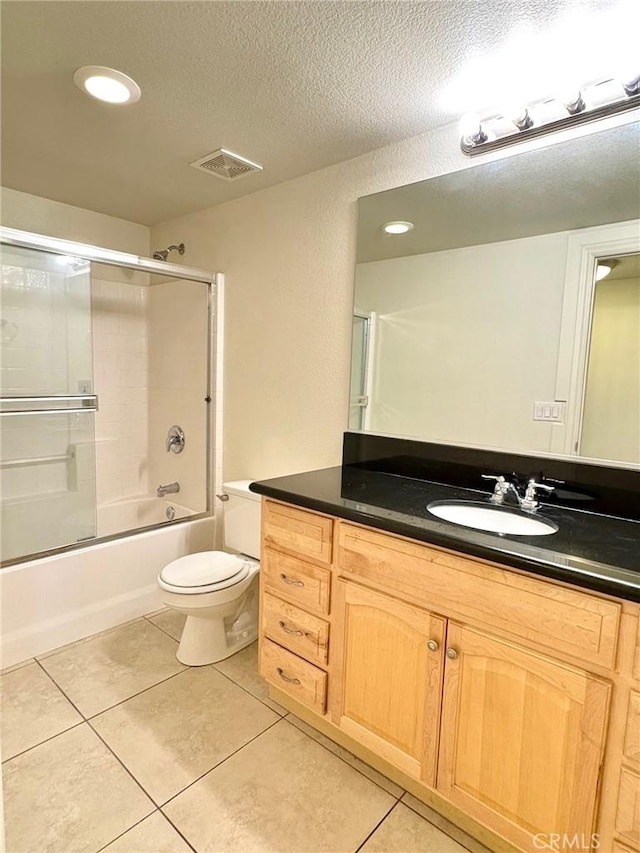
{"x":552,"y":411}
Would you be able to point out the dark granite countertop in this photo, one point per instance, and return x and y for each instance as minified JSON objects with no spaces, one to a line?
{"x":598,"y":552}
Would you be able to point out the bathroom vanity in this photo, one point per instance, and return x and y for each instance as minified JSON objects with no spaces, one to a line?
{"x":496,"y":678}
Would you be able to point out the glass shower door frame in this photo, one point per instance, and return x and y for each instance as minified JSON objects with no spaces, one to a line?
{"x":13,"y":406}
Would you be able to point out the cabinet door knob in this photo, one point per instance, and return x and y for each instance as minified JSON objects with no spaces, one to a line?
{"x":287,"y":678}
{"x":433,"y":646}
{"x":452,"y":654}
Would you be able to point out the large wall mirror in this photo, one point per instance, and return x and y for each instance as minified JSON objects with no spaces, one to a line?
{"x":508,"y":317}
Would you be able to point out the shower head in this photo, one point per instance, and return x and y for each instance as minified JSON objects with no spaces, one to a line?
{"x":163,"y":254}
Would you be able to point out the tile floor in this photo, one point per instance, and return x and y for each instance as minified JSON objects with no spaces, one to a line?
{"x":110,"y":744}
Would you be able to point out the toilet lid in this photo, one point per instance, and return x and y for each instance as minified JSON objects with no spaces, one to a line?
{"x":203,"y":569}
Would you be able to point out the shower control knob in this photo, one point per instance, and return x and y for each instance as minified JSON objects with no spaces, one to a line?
{"x":175,"y":439}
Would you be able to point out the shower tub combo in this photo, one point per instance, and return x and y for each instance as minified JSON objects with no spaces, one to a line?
{"x":94,"y":381}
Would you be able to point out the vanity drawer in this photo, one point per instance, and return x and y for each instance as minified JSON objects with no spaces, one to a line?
{"x":632,"y":733}
{"x":620,"y":848}
{"x":294,"y":676}
{"x":300,"y":531}
{"x":296,"y":581}
{"x":572,"y":624}
{"x":628,"y":815}
{"x":299,"y":631}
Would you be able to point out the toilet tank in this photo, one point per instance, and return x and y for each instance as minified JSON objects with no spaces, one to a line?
{"x":242,"y":518}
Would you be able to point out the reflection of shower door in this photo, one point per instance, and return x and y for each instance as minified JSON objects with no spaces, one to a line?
{"x":360,"y":370}
{"x":47,"y":404}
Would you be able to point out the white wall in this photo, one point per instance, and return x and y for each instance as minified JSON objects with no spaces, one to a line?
{"x":54,"y":219}
{"x":466,"y":341}
{"x":288,"y":256}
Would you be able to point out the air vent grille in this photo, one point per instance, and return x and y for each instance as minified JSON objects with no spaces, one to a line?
{"x":226,"y":165}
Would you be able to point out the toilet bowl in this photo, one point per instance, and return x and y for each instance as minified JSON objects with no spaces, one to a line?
{"x":218,"y":591}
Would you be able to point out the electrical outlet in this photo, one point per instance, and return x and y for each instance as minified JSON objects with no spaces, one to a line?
{"x":552,"y":412}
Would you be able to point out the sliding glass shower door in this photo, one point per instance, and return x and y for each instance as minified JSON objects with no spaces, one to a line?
{"x":47,"y":405}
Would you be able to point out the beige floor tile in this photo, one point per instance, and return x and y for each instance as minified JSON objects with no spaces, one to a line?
{"x":445,"y":825}
{"x":15,"y":666}
{"x":153,"y":835}
{"x":243,"y":669}
{"x":101,"y":672}
{"x":169,"y":621}
{"x":389,"y":786}
{"x":175,"y":732}
{"x":282,"y":792}
{"x":69,"y":795}
{"x":33,"y":709}
{"x":404,"y":831}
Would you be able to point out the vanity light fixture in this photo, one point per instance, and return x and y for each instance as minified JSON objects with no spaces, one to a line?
{"x":107,"y":84}
{"x":597,"y":99}
{"x":397,"y":227}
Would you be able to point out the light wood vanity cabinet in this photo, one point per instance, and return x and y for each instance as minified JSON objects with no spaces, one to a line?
{"x":493,"y":690}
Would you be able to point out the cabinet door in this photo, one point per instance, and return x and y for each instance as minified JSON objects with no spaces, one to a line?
{"x":391,"y":681}
{"x":522,"y":738}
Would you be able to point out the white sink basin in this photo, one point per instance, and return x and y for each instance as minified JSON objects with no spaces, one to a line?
{"x":496,"y":519}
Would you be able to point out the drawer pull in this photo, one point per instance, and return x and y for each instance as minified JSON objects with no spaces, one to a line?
{"x":291,"y":581}
{"x":289,"y":630}
{"x":433,"y":646}
{"x":452,"y":654}
{"x":287,"y":678}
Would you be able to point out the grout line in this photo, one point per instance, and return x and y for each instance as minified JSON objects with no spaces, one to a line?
{"x":133,"y":695}
{"x":247,"y":691}
{"x":220,"y":763}
{"x":179,"y":831}
{"x":52,"y":679}
{"x":115,"y":705}
{"x":137,"y":823}
{"x":439,"y":828}
{"x":352,"y":766}
{"x":124,"y":767}
{"x":41,"y":742}
{"x":160,"y":628}
{"x":377,"y":826}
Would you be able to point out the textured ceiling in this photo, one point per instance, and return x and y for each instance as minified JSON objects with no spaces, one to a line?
{"x":295,"y":86}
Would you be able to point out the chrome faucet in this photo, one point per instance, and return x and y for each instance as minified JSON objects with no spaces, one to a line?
{"x":169,"y":489}
{"x":503,"y":487}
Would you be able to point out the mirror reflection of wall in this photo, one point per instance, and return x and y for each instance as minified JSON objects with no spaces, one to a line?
{"x":483,"y":308}
{"x":611,"y":415}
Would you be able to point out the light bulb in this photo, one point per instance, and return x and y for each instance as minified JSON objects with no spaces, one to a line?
{"x":471,"y":129}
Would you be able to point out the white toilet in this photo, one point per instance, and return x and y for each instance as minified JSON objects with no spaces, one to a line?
{"x":219,"y":591}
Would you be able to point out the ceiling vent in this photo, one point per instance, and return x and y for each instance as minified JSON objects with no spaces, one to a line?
{"x":226,"y":165}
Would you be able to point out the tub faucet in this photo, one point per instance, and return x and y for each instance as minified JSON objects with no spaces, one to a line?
{"x":169,"y":489}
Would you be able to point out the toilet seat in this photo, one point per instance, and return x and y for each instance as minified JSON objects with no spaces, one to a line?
{"x":206,"y":571}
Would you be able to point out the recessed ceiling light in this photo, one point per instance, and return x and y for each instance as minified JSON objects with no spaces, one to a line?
{"x":107,"y":84}
{"x":397,"y":227}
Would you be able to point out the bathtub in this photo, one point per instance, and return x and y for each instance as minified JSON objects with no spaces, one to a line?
{"x":48,"y":602}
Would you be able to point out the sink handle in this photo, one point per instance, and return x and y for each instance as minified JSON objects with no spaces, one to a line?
{"x":501,"y":489}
